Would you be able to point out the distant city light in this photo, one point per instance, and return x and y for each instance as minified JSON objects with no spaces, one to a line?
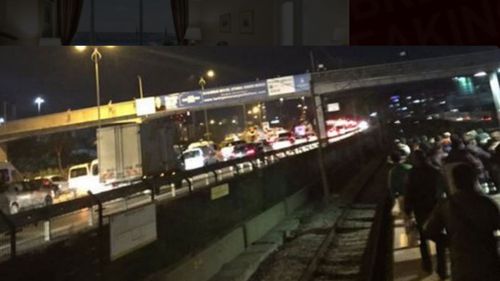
{"x":373,"y":114}
{"x":233,"y":121}
{"x":275,"y":121}
{"x":2,"y":120}
{"x":480,"y":74}
{"x":212,"y":121}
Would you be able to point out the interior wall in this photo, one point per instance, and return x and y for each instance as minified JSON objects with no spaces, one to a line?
{"x":325,"y":22}
{"x":2,"y":14}
{"x":22,"y":19}
{"x":265,"y":22}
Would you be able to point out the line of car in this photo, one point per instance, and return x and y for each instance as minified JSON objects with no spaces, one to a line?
{"x":17,"y":195}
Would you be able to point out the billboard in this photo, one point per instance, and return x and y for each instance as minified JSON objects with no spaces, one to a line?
{"x":241,"y":92}
{"x":288,"y":84}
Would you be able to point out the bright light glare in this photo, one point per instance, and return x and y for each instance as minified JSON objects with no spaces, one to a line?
{"x":480,"y":74}
{"x":363,"y":125}
{"x":373,"y":114}
{"x":80,"y":48}
{"x":2,"y":120}
{"x":211,"y":73}
{"x":39,"y":100}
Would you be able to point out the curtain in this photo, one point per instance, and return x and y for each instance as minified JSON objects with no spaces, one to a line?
{"x":180,"y":12}
{"x":68,"y":17}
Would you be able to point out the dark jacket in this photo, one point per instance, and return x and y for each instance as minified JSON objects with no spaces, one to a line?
{"x":470,"y":220}
{"x":422,"y":191}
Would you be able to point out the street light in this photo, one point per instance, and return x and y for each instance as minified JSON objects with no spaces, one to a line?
{"x":96,"y":56}
{"x":202,"y":82}
{"x":38,"y":102}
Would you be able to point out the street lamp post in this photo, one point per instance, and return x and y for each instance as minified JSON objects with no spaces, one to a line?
{"x":202,"y":82}
{"x":96,"y":57}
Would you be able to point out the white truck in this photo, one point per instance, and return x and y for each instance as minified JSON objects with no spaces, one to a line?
{"x":85,"y":177}
{"x":128,"y":152}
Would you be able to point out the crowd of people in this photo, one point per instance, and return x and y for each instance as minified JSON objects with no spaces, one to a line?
{"x":442,"y":186}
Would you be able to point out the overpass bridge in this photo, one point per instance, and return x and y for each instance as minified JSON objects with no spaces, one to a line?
{"x":327,"y":82}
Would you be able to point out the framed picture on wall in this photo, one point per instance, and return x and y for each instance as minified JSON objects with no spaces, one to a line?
{"x":225,"y":23}
{"x":246,"y":22}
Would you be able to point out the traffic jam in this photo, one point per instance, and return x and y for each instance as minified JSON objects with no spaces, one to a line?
{"x":139,"y":157}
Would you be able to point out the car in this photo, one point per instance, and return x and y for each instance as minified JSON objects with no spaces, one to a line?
{"x":198,"y":157}
{"x":262,"y":146}
{"x":23,"y":195}
{"x":227,"y":149}
{"x":55,"y":180}
{"x":284,"y":140}
{"x":85,"y":177}
{"x":244,"y":150}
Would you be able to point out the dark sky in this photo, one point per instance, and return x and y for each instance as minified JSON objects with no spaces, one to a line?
{"x":65,"y":77}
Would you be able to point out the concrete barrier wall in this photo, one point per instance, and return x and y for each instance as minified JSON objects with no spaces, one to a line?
{"x":207,"y":263}
{"x":261,"y":224}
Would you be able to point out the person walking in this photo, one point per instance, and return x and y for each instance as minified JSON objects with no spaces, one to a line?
{"x":469,"y":220}
{"x":398,"y":175}
{"x":421,"y":196}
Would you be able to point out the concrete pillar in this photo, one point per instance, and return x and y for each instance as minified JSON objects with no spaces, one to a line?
{"x":3,"y":152}
{"x":495,"y":91}
{"x":320,"y":114}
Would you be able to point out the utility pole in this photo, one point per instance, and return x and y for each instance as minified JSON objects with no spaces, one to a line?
{"x":320,"y":129}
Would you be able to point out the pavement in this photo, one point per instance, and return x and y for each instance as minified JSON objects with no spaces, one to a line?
{"x":407,"y":254}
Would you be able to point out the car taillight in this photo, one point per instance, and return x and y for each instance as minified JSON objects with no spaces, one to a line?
{"x":251,"y":152}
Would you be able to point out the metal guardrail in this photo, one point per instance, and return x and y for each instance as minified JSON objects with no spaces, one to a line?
{"x":152,"y":183}
{"x":412,"y":66}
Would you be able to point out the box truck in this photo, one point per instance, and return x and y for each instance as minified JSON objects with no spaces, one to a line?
{"x":128,"y":152}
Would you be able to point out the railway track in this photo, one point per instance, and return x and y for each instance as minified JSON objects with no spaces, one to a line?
{"x":332,"y":246}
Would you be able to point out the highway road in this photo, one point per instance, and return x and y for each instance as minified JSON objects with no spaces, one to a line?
{"x":44,"y":233}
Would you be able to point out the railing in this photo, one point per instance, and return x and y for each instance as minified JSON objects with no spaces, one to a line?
{"x":168,"y":185}
{"x":187,"y":218}
{"x":413,"y":66}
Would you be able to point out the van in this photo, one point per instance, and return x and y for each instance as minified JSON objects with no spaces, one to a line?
{"x":85,"y":177}
{"x":9,"y":173}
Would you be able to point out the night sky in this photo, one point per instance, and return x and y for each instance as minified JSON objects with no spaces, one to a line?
{"x":65,"y":78}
